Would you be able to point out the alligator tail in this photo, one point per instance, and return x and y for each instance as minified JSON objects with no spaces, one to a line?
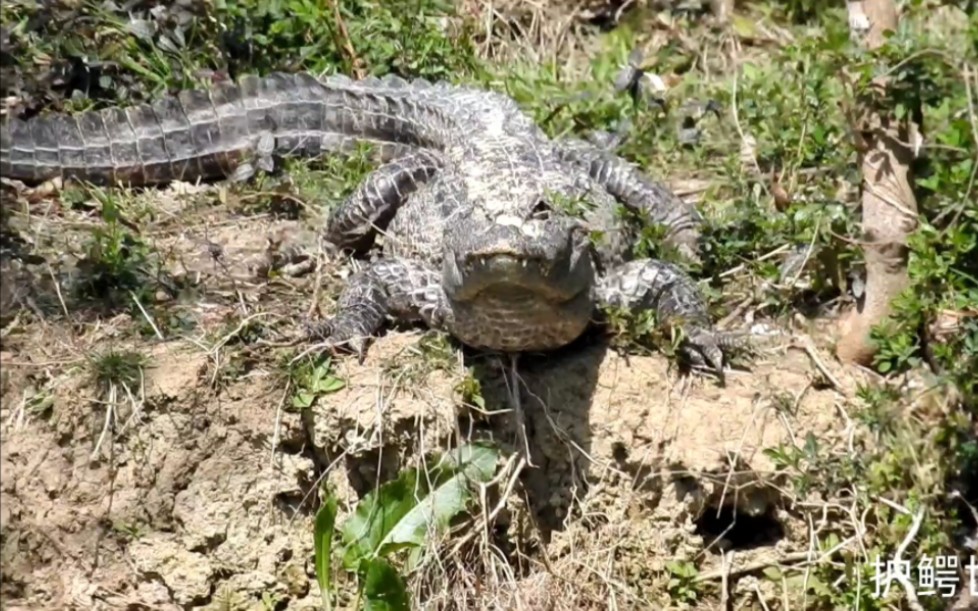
{"x":209,"y":134}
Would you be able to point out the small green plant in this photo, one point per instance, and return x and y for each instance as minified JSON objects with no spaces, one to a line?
{"x":118,"y":375}
{"x":122,"y":368}
{"x":40,"y":404}
{"x":642,"y":331}
{"x":432,"y":352}
{"x":129,"y":530}
{"x":402,"y":515}
{"x":115,"y":267}
{"x":271,"y":601}
{"x":682,"y":581}
{"x":469,"y":389}
{"x":323,"y":546}
{"x":312,"y":380}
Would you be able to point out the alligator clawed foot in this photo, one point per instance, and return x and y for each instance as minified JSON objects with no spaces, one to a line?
{"x":703,"y":348}
{"x":709,"y":349}
{"x":337,"y":339}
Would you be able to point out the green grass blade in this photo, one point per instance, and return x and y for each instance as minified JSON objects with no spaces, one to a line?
{"x":323,"y":532}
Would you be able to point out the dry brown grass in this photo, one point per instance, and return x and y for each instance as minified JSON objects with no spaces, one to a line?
{"x":537,"y":31}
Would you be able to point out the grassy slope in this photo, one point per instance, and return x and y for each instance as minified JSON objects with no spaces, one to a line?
{"x":779,"y":72}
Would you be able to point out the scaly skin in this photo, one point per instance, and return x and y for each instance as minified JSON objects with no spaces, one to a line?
{"x":471,"y":202}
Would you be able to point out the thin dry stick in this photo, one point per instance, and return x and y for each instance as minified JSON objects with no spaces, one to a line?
{"x":740,"y":130}
{"x":808,"y":254}
{"x":912,"y":601}
{"x":753,"y":567}
{"x":806,"y":345}
{"x":136,"y":404}
{"x":57,"y":290}
{"x":487,"y":519}
{"x":109,"y":408}
{"x":812,"y":546}
{"x":760,"y":597}
{"x":727,"y":560}
{"x":146,"y":315}
{"x":513,"y":384}
{"x":739,"y":268}
{"x":277,"y":429}
{"x":351,"y":54}
{"x":18,"y":414}
{"x":731,"y":459}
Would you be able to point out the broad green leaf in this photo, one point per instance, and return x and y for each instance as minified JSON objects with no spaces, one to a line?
{"x":383,"y":587}
{"x":323,"y":532}
{"x":313,"y":384}
{"x":376,"y":515}
{"x":303,"y":400}
{"x":477,"y":461}
{"x":329,"y":384}
{"x":402,"y":512}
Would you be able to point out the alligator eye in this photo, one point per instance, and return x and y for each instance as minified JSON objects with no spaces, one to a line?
{"x":541,"y":211}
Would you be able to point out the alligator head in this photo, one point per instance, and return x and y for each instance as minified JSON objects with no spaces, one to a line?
{"x":518,"y":279}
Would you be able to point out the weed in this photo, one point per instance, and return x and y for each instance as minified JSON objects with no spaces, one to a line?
{"x":119,"y":377}
{"x":115,"y":265}
{"x":123,"y":368}
{"x":404,"y":514}
{"x":128,"y":530}
{"x":312,"y":380}
{"x":469,"y":390}
{"x":682,"y":585}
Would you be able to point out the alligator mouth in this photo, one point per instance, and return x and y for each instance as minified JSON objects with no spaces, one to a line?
{"x":502,"y":273}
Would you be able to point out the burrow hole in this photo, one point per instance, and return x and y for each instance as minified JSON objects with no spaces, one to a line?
{"x":728,"y":530}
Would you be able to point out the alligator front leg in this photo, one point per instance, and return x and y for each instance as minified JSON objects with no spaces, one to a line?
{"x":647,"y":284}
{"x":353,"y":225}
{"x":400,"y":289}
{"x":638,"y":192}
{"x":355,"y":222}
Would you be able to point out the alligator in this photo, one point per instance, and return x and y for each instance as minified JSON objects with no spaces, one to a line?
{"x":507,"y":239}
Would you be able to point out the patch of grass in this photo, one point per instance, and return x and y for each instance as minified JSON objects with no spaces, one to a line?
{"x":892,"y":475}
{"x":118,"y":375}
{"x":408,"y":514}
{"x":123,"y":368}
{"x":302,"y":188}
{"x":130,"y":531}
{"x":136,"y":53}
{"x":115,"y":265}
{"x":682,"y":587}
{"x":469,"y":390}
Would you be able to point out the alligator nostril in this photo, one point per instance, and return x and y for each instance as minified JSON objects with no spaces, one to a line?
{"x":541,"y":211}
